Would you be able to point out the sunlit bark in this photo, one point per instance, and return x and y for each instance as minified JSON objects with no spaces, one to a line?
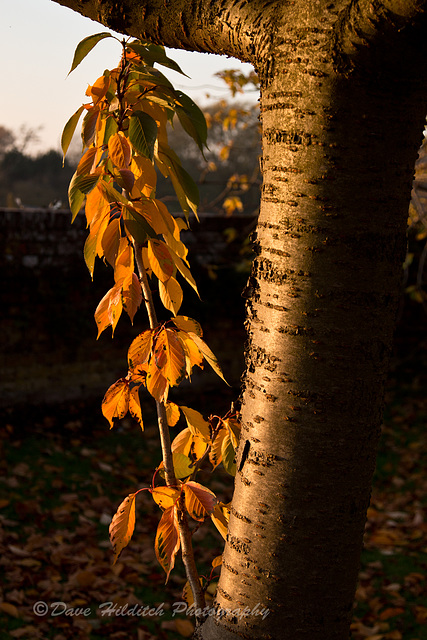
{"x":343,"y":103}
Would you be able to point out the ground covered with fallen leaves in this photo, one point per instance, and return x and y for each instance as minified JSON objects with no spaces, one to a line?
{"x":63,"y":474}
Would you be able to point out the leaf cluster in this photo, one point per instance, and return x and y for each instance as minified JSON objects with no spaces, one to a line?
{"x":125,"y":142}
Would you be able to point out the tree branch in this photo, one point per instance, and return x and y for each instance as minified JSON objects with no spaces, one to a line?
{"x":236,"y":28}
{"x":171,"y":481}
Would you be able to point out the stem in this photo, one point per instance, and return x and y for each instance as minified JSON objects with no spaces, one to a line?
{"x":183,"y":527}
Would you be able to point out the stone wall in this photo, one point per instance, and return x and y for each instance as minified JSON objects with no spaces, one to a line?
{"x":48,"y":347}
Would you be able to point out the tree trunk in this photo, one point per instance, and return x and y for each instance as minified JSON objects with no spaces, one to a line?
{"x":338,"y":158}
{"x":343,"y":105}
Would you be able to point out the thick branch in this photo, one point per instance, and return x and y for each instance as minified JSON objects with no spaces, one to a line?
{"x":237,"y":28}
{"x":373,"y":31}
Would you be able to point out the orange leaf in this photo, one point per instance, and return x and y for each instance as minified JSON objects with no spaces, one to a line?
{"x":124,"y":262}
{"x":131,"y":295}
{"x":199,"y":500}
{"x":156,"y":383}
{"x":122,"y":525}
{"x":169,"y":356}
{"x":86,"y":161}
{"x":115,"y":404}
{"x":140,"y":349}
{"x":135,"y":406}
{"x":119,"y":150}
{"x":167,"y":542}
{"x":160,"y":259}
{"x":111,"y":241}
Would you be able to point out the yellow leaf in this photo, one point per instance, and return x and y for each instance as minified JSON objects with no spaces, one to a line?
{"x":119,"y":150}
{"x":215,"y":455}
{"x":115,"y":404}
{"x":172,"y":413}
{"x":171,"y":294}
{"x":182,"y":442}
{"x":145,"y":177}
{"x":188,"y":324}
{"x":216,"y":562}
{"x":182,"y":465}
{"x":220,"y":517}
{"x":207,"y":354}
{"x":109,"y":309}
{"x":167,"y":541}
{"x":165,"y":497}
{"x":199,"y":501}
{"x":140,"y":349}
{"x":192,"y":354}
{"x":122,"y":525}
{"x":197,"y":424}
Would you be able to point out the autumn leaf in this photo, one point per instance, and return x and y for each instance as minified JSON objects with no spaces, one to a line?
{"x":167,"y":541}
{"x":182,"y":465}
{"x":207,"y":354}
{"x":172,"y":413}
{"x":156,"y":383}
{"x":109,"y":309}
{"x":165,"y":497}
{"x":131,"y":295}
{"x":199,"y":501}
{"x":122,"y":525}
{"x":193,"y":356}
{"x":169,"y":356}
{"x":171,"y":294}
{"x":220,"y":517}
{"x":187,"y":325}
{"x":196,"y":423}
{"x":119,"y":150}
{"x":160,"y":259}
{"x":115,"y":404}
{"x":140,"y":349}
{"x":135,"y":405}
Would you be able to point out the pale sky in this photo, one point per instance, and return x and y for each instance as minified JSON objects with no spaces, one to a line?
{"x":37,"y":43}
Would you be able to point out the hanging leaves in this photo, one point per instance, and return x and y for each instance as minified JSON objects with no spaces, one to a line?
{"x":122,"y":525}
{"x":120,"y":398}
{"x":124,"y":135}
{"x":167,"y":541}
{"x":199,"y":501}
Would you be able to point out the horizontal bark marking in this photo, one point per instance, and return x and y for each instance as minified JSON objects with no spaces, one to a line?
{"x":295,"y":330}
{"x":280,"y":136}
{"x":238,"y":545}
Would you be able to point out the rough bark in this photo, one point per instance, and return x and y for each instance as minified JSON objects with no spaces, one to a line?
{"x":343,"y":104}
